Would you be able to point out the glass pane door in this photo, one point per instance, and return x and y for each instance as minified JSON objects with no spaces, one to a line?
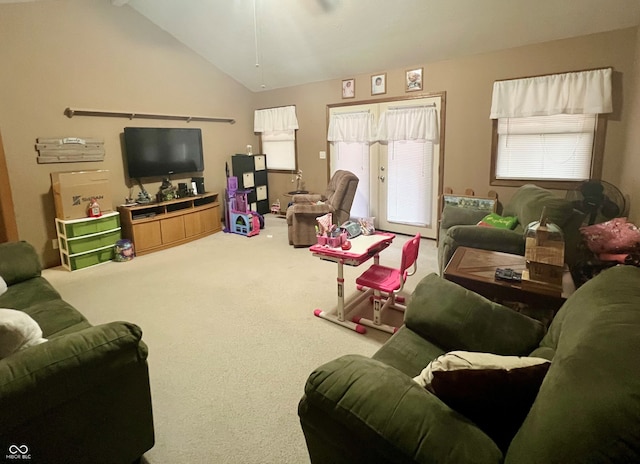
{"x":361,"y":158}
{"x":355,"y":157}
{"x":399,"y":181}
{"x":408,"y":181}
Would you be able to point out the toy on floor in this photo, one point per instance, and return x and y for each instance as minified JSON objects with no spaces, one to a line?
{"x":123,"y":251}
{"x":239,"y":219}
{"x":275,"y":207}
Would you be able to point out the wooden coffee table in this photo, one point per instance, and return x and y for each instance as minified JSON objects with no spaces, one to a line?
{"x":474,"y":269}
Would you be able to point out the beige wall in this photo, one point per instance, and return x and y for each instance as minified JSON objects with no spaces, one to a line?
{"x":630,"y":172}
{"x":90,"y":54}
{"x":468,"y":84}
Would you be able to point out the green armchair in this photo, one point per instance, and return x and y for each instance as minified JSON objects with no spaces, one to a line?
{"x":83,"y":396}
{"x":357,"y":409}
{"x":458,"y":226}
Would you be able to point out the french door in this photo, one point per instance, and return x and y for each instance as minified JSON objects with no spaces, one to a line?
{"x":400,"y":180}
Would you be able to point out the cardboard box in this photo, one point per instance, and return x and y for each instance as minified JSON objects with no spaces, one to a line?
{"x":72,"y":192}
{"x":547,"y":273}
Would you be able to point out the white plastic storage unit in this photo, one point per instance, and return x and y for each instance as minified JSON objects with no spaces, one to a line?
{"x":251,"y":171}
{"x":88,"y":241}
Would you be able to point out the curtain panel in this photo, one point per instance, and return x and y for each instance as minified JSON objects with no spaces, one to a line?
{"x":409,"y":124}
{"x":352,"y":127}
{"x":275,"y":119}
{"x":583,"y":92}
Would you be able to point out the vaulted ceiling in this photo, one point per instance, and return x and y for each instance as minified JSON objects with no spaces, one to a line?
{"x":268,"y":44}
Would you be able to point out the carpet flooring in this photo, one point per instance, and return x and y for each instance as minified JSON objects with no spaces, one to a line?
{"x":232,"y":337}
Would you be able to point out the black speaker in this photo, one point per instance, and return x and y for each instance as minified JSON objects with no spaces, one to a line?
{"x":199,"y":181}
{"x":183,"y":191}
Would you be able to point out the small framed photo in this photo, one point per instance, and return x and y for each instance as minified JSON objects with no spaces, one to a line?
{"x":348,"y":88}
{"x":413,"y":80}
{"x":379,"y":84}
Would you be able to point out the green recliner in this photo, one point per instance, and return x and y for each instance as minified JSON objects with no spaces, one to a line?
{"x":458,"y":226}
{"x":81,"y":397}
{"x":369,"y":410}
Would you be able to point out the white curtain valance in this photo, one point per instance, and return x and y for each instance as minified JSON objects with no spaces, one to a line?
{"x":352,"y":127}
{"x":279,"y":136}
{"x":584,"y":92}
{"x":409,"y":124}
{"x":275,"y":119}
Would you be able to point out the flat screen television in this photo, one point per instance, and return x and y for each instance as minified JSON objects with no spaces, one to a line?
{"x":160,"y":152}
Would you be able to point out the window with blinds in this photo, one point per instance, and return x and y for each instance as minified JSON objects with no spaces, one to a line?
{"x":407,"y":194}
{"x":354,"y":157}
{"x":545,"y":148}
{"x":280,"y":148}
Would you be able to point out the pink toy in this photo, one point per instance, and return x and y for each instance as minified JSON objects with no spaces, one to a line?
{"x":240,"y":220}
{"x":245,"y":224}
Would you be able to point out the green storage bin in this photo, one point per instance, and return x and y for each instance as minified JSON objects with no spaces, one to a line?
{"x":90,"y":259}
{"x":92,"y":242}
{"x":77,"y":229}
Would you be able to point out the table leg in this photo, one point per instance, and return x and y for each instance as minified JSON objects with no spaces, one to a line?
{"x":340,"y":291}
{"x":338,"y":315}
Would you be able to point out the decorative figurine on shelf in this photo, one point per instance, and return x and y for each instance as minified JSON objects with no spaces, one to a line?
{"x":299,"y":184}
{"x":299,"y":180}
{"x":167,"y":191}
{"x":94,"y":208}
{"x":143,"y":197}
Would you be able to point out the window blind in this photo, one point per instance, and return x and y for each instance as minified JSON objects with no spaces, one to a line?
{"x":277,"y":127}
{"x":408,"y":195}
{"x":280,"y":148}
{"x":354,"y":157}
{"x":557,"y":147}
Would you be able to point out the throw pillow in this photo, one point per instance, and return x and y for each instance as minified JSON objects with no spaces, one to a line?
{"x":495,"y":392}
{"x":614,"y":236}
{"x":499,"y":222}
{"x":3,"y":286}
{"x":17,"y":332}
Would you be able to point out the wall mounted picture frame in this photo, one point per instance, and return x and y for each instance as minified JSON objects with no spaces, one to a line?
{"x":348,"y":88}
{"x":413,"y":80}
{"x":379,"y":84}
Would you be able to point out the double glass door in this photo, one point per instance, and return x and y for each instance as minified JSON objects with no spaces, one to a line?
{"x":399,"y":180}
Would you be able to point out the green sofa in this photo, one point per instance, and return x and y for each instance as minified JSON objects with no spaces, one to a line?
{"x":458,"y":225}
{"x":587,"y":410}
{"x":81,"y":397}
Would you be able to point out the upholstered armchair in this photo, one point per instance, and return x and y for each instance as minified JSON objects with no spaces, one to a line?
{"x":302,"y":214}
{"x":458,"y":226}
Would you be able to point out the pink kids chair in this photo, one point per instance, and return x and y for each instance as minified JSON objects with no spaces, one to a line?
{"x":386,"y":283}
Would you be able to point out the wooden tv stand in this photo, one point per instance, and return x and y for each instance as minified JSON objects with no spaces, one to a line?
{"x":156,"y":226}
